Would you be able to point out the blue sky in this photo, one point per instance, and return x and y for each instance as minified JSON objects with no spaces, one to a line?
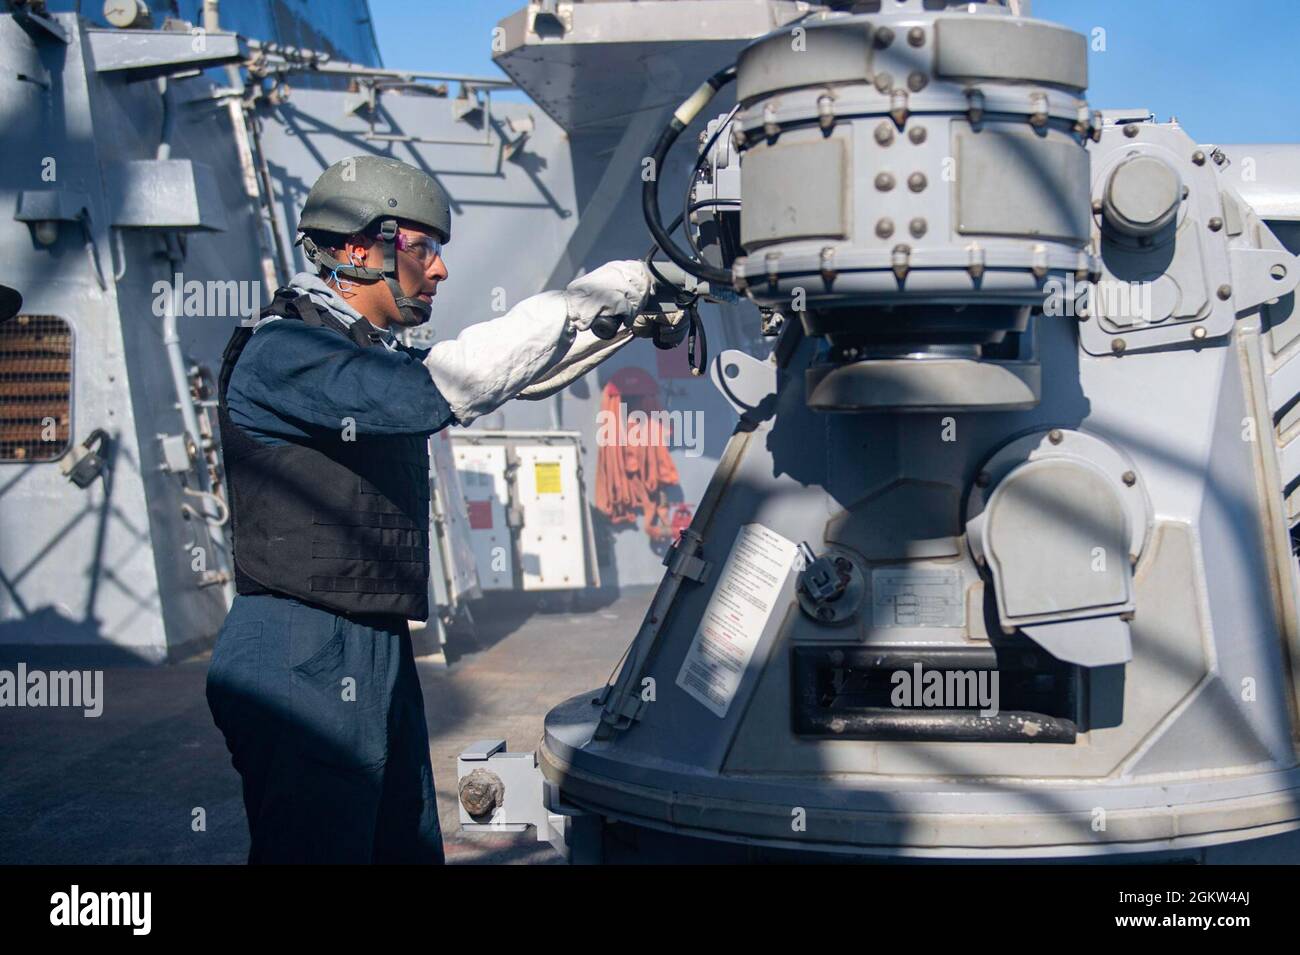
{"x":1228,"y":69}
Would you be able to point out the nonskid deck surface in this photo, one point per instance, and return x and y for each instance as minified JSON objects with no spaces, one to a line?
{"x":124,"y":787}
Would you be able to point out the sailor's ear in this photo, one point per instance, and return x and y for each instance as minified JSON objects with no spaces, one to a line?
{"x":357,"y":249}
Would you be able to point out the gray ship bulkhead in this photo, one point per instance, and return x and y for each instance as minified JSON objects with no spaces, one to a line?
{"x":192,"y":180}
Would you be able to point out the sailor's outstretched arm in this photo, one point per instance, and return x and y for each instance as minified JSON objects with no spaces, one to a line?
{"x":489,"y":363}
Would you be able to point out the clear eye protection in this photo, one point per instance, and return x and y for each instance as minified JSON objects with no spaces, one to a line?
{"x":425,"y":248}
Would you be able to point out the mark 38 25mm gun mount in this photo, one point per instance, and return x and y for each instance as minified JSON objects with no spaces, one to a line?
{"x":998,"y":562}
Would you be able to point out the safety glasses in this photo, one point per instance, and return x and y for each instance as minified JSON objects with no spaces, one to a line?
{"x":424,"y":248}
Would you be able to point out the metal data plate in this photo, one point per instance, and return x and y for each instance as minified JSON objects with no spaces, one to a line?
{"x":551,"y":540}
{"x":910,"y":597}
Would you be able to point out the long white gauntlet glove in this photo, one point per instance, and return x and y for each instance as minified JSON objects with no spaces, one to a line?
{"x":489,"y":363}
{"x":588,"y":351}
{"x":616,"y":289}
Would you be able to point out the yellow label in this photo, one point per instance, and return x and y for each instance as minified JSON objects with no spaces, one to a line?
{"x":546,"y":475}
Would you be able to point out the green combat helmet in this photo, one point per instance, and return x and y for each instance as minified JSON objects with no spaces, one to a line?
{"x":354,"y":195}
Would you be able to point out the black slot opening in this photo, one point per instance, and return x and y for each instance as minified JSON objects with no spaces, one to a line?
{"x":852,"y":692}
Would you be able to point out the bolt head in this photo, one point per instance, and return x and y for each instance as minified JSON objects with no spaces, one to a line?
{"x":916,"y":181}
{"x":917,"y":227}
{"x":1118,"y":346}
{"x":916,"y":81}
{"x":916,"y":36}
{"x":1224,"y":292}
{"x":916,"y":134}
{"x":1055,"y":436}
{"x":1215,"y":224}
{"x":885,"y":133}
{"x":1131,"y":130}
{"x":1199,"y":333}
{"x":480,"y":792}
{"x":1129,"y":478}
{"x":1198,"y":157}
{"x":884,"y":181}
{"x":885,"y":228}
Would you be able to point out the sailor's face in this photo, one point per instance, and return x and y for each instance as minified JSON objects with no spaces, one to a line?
{"x":419,"y":263}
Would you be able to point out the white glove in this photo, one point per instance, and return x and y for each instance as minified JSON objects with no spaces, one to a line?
{"x":587,"y":352}
{"x":616,"y":289}
{"x":487,"y":364}
{"x":644,"y":326}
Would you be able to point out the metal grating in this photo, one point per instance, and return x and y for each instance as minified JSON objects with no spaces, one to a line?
{"x":35,"y":388}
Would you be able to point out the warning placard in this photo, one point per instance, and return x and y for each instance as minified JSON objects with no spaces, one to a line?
{"x":546,"y":476}
{"x":738,"y":611}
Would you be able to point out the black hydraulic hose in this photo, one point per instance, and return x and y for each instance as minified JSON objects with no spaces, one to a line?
{"x":682,"y":118}
{"x":672,"y":227}
{"x":697,"y":343}
{"x":695,"y":171}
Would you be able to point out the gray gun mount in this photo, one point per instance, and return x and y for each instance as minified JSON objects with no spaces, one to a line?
{"x":1061,"y":345}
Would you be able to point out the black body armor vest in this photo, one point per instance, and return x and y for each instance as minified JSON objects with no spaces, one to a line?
{"x":339,"y":523}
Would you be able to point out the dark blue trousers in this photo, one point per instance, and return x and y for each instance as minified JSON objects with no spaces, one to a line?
{"x":324,"y":720}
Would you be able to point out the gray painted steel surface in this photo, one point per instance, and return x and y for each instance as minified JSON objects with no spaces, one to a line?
{"x":1147,"y":448}
{"x":973,"y":460}
{"x":143,"y":177}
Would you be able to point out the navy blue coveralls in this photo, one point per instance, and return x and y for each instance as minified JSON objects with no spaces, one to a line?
{"x":332,"y":771}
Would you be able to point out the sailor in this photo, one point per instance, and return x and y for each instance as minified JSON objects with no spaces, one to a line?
{"x":325,"y":418}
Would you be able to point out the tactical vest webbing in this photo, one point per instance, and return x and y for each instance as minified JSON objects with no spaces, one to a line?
{"x":335,"y":522}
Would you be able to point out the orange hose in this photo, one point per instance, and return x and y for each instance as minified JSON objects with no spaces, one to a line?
{"x":630,"y":476}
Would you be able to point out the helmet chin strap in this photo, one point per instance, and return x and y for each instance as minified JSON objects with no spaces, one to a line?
{"x":412,"y":310}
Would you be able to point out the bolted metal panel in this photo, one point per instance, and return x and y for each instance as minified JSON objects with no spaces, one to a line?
{"x":906,"y":238}
{"x":810,"y":181}
{"x":1014,"y":183}
{"x":994,"y":49}
{"x":785,"y":60}
{"x":1057,"y":540}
